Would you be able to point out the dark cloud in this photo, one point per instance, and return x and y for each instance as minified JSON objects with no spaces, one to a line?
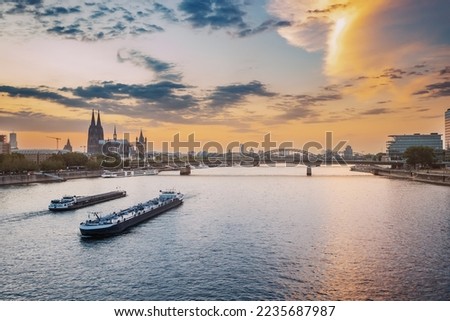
{"x":392,"y":73}
{"x":436,"y":90}
{"x":266,"y":25}
{"x":165,"y":94}
{"x":41,"y":93}
{"x":162,"y":69}
{"x":439,"y":89}
{"x":213,"y":13}
{"x":383,"y":102}
{"x":71,"y":31}
{"x":445,"y":71}
{"x":297,"y":112}
{"x":308,"y":100}
{"x":227,"y":96}
{"x":376,"y":111}
{"x":57,"y":11}
{"x":421,"y":92}
{"x":166,"y":12}
{"x":20,"y":6}
{"x":329,"y":9}
{"x":86,"y":21}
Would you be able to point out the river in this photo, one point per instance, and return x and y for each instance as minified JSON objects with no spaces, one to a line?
{"x":262,"y":233}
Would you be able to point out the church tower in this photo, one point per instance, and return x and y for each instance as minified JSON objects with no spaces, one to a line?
{"x":141,"y":145}
{"x":95,"y":135}
{"x":68,"y":147}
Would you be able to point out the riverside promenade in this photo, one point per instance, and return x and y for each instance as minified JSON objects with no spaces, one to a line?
{"x":40,"y":177}
{"x":439,"y":177}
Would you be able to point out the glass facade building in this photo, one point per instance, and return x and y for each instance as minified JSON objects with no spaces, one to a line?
{"x":447,"y":129}
{"x":400,"y":143}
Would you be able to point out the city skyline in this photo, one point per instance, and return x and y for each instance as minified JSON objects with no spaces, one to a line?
{"x":224,"y":70}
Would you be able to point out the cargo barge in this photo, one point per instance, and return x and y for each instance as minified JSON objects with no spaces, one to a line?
{"x":117,"y":222}
{"x":73,"y":202}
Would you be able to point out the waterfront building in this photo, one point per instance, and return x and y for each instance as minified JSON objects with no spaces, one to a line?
{"x":13,"y":141}
{"x":68,"y":147}
{"x":5,"y":147}
{"x":95,"y":135}
{"x":348,"y":152}
{"x":447,"y":129}
{"x":39,"y":155}
{"x":400,"y":143}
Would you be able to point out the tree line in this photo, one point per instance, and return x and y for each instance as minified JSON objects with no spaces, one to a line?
{"x":17,"y":163}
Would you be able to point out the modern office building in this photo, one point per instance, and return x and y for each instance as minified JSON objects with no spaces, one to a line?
{"x":400,"y":143}
{"x":13,"y":141}
{"x":348,"y":152}
{"x":447,"y":129}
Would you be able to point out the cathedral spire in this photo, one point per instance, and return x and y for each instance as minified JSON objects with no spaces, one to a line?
{"x":99,"y":124}
{"x":141,"y":137}
{"x":93,"y":118}
{"x":115,"y":133}
{"x":68,"y":147}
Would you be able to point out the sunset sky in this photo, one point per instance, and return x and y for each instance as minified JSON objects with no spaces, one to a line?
{"x":224,"y":70}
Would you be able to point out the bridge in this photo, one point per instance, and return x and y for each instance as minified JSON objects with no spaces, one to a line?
{"x":286,"y":156}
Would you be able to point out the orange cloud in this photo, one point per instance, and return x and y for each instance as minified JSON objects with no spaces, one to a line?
{"x":362,"y":37}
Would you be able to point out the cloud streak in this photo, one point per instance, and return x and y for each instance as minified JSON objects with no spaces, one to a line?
{"x":231,"y":95}
{"x":162,"y":69}
{"x":42,"y":93}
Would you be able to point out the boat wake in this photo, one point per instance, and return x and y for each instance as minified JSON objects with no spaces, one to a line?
{"x":189,"y":196}
{"x":18,"y":217}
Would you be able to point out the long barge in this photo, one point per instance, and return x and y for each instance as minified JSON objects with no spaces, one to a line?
{"x":73,"y":202}
{"x":117,"y":222}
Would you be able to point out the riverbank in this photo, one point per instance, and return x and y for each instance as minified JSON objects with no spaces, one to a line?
{"x":30,"y":178}
{"x":430,"y":177}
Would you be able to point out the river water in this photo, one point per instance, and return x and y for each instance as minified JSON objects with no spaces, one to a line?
{"x":260,"y":233}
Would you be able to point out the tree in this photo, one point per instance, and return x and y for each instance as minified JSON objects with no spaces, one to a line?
{"x":75,"y":159}
{"x":52,"y":164}
{"x":16,"y":163}
{"x":419,"y":155}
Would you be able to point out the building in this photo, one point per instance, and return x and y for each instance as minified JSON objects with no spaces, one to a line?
{"x":447,"y":129}
{"x":13,"y":141}
{"x":95,"y":135}
{"x":121,"y":146}
{"x":39,"y":155}
{"x":400,"y":143}
{"x":5,"y":147}
{"x":141,"y":145}
{"x":348,"y":152}
{"x":68,"y":147}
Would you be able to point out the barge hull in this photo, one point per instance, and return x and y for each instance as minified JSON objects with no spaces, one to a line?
{"x":122,"y":226}
{"x":91,"y":200}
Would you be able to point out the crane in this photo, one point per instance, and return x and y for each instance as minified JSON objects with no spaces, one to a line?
{"x":57,"y":141}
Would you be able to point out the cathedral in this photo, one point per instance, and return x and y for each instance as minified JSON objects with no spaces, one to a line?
{"x":95,"y":135}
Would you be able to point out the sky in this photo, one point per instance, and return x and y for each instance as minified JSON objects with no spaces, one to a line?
{"x":224,"y":70}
